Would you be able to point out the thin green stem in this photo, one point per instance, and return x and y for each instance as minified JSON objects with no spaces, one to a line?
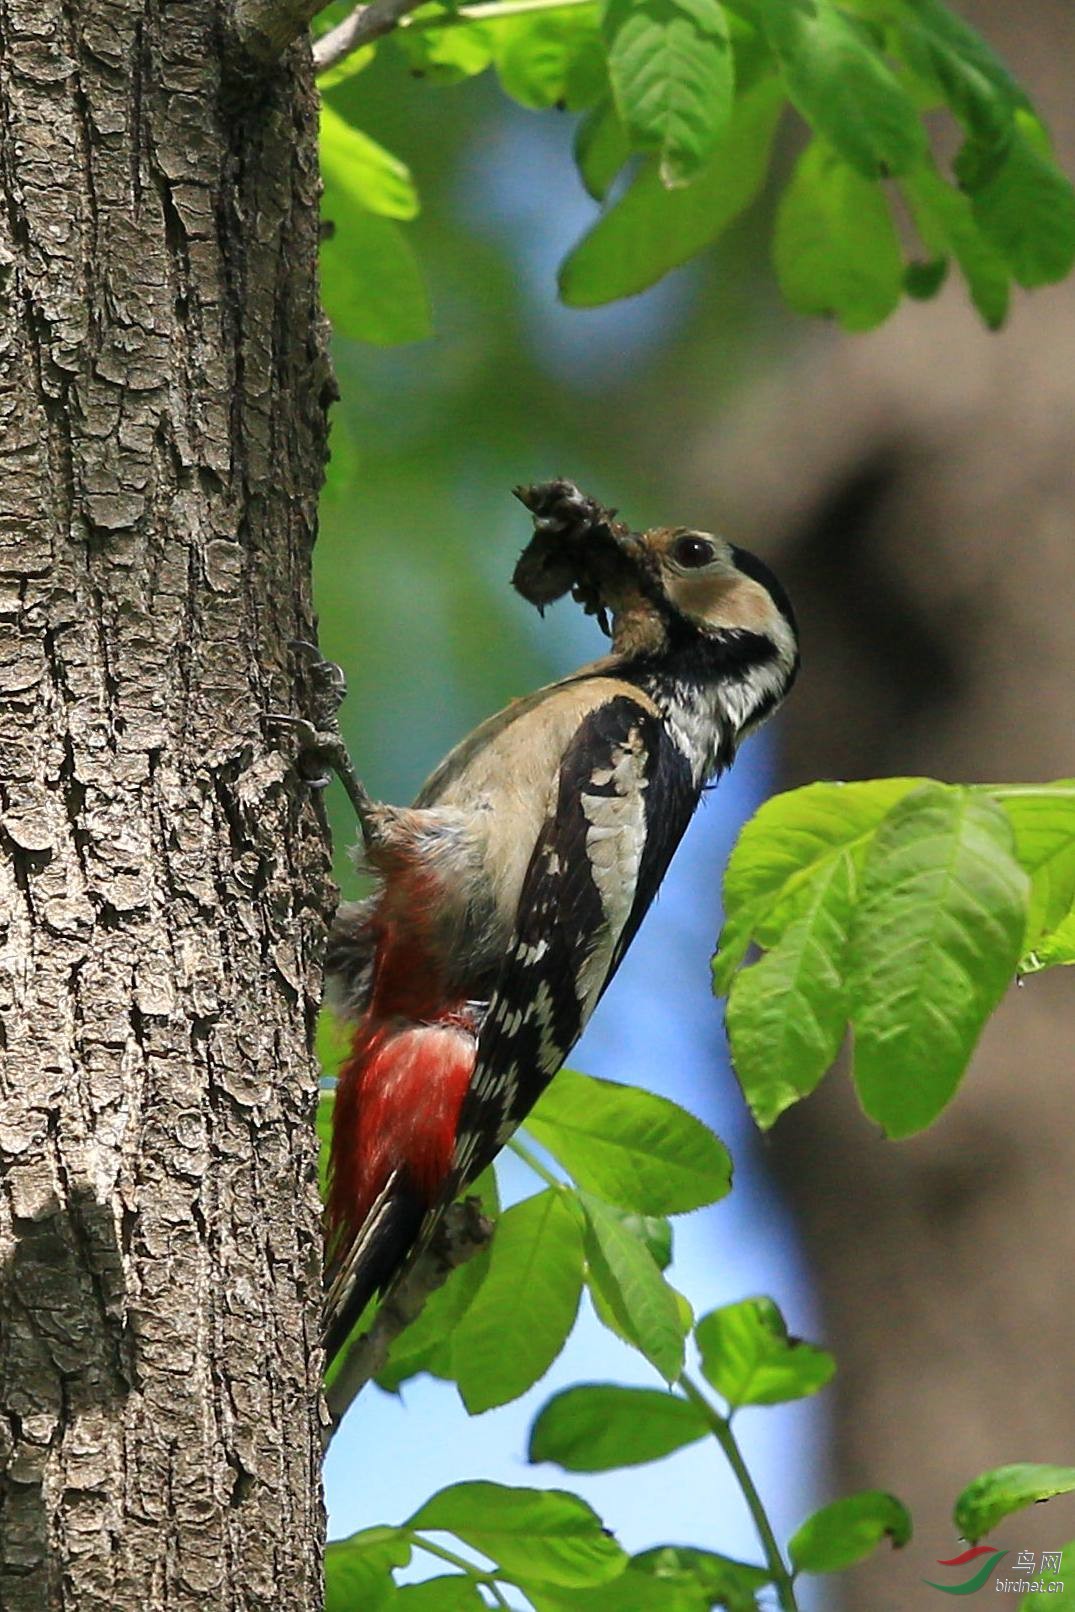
{"x":490,"y":12}
{"x":722,"y":1432}
{"x":521,"y":1151}
{"x":478,"y":1574}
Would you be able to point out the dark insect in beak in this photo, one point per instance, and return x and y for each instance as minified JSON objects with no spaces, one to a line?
{"x":578,"y":547}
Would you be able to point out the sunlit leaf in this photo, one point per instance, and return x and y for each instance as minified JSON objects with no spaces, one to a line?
{"x":790,"y":844}
{"x":835,"y":246}
{"x":624,"y":1272}
{"x":1023,"y":203}
{"x":787,"y":1013}
{"x":444,"y":55}
{"x":935,"y":940}
{"x":630,"y":1146}
{"x":670,"y":62}
{"x":426,"y":1344}
{"x":1005,"y":1489}
{"x":847,"y":1531}
{"x":944,"y":50}
{"x":601,"y":149}
{"x":1043,"y":820}
{"x":526,"y":1306}
{"x":552,"y":58}
{"x":358,"y":1570}
{"x":370,"y":175}
{"x":945,"y":220}
{"x":749,"y":1358}
{"x":548,"y":1535}
{"x":650,"y":229}
{"x":724,"y":1581}
{"x":453,"y":1592}
{"x":598,"y":1426}
{"x":633,"y":1591}
{"x":370,"y":279}
{"x":837,"y":77}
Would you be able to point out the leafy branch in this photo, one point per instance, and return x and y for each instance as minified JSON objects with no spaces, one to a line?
{"x":681,"y":102}
{"x":903,"y":904}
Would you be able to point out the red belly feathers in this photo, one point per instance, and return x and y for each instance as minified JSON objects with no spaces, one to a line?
{"x":401,"y":1089}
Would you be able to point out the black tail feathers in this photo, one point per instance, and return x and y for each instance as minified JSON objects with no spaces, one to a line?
{"x":368,"y":1263}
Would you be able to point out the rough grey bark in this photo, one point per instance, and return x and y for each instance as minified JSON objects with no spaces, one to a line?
{"x":917,"y":486}
{"x":163,"y":884}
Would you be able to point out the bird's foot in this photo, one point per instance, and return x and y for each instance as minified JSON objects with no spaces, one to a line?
{"x":319,"y":747}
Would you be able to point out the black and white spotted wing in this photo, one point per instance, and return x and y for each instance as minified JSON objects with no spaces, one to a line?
{"x":624,"y":799}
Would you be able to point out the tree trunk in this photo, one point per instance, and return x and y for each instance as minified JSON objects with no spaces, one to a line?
{"x":917,"y":487}
{"x":163,"y":883}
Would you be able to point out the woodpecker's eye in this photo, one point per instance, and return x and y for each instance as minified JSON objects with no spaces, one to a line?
{"x":693,"y":552}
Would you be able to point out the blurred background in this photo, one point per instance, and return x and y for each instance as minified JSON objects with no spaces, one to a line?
{"x":914,"y":488}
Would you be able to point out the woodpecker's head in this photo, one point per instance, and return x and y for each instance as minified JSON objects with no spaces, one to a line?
{"x":684,"y":600}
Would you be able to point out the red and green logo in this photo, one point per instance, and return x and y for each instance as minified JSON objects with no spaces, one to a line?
{"x":967,"y":1586}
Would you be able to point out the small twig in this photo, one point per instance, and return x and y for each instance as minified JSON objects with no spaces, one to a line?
{"x":367,"y":22}
{"x":463,"y":1232}
{"x":360,"y":27}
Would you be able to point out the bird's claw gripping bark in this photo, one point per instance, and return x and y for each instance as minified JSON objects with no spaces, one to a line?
{"x":320,"y":750}
{"x":327,"y":684}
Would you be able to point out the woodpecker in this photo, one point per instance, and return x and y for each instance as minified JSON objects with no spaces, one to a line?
{"x":508,"y":893}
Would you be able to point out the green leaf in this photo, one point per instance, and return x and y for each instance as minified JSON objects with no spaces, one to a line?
{"x":670,"y":62}
{"x":1024,"y":204}
{"x":358,"y":1570}
{"x":598,"y":1426}
{"x":547,"y":1535}
{"x":655,"y":1231}
{"x":651,"y":230}
{"x":945,"y":220}
{"x":789,"y":845}
{"x":1043,"y":820}
{"x":750,"y":1360}
{"x":629,"y":1146}
{"x":1005,"y":1489}
{"x":631,"y":1592}
{"x":944,"y":51}
{"x":601,"y":149}
{"x":370,"y":279}
{"x":445,"y":55}
{"x":623,"y":1271}
{"x":838,"y":79}
{"x":1055,"y":950}
{"x":453,"y":1592}
{"x":552,"y":58}
{"x":935,"y":940}
{"x":923,"y":281}
{"x":526,"y":1306}
{"x":847,"y":1531}
{"x":426,"y":1344}
{"x":372,"y":176}
{"x":724,"y":1581}
{"x":786,"y":1015}
{"x":835,"y":247}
